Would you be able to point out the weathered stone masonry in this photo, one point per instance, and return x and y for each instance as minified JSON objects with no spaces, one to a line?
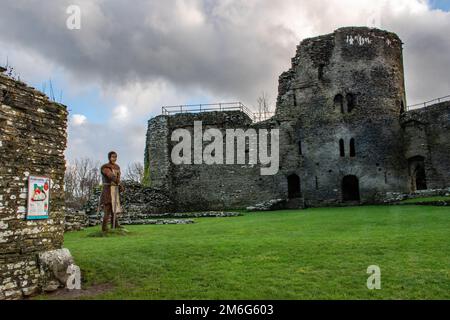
{"x":344,"y":89}
{"x":345,"y":135}
{"x":32,"y":142}
{"x":206,"y":187}
{"x":427,"y":141}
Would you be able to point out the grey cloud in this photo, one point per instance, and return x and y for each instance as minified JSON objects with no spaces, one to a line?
{"x":235,"y":51}
{"x":122,"y":41}
{"x":229,"y":50}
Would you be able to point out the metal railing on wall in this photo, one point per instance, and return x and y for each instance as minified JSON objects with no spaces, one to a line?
{"x":428,"y":103}
{"x":208,"y":107}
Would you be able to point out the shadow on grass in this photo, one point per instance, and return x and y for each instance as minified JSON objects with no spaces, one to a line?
{"x":110,"y":233}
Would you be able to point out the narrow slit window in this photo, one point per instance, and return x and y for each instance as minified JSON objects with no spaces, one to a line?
{"x":350,"y":102}
{"x":300,"y":151}
{"x":341,"y":148}
{"x":352,"y":147}
{"x":339,"y":102}
{"x":320,"y":71}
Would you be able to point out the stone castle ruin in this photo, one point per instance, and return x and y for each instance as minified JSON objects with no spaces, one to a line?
{"x":346,"y":136}
{"x":32,"y":143}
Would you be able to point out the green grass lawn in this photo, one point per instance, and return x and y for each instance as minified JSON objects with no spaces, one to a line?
{"x":426,"y":199}
{"x":296,"y":254}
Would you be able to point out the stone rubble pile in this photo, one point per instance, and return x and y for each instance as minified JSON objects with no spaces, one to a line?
{"x":274,"y":204}
{"x":392,"y":197}
{"x":161,"y":221}
{"x":206,"y":214}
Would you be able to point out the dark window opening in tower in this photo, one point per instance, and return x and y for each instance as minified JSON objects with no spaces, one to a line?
{"x":352,"y":147}
{"x":417,"y":173}
{"x":350,"y":102}
{"x":300,"y":152}
{"x":339,"y":102}
{"x":317,"y":183}
{"x":402,"y":107}
{"x":350,"y":188}
{"x":320,"y":71}
{"x":293,"y":186}
{"x":294,"y":97}
{"x":341,"y":148}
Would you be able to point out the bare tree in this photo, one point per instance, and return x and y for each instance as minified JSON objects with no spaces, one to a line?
{"x":263,"y":107}
{"x":135,"y":172}
{"x":80,"y":179}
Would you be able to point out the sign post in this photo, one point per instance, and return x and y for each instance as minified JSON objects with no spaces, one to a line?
{"x":38,"y":197}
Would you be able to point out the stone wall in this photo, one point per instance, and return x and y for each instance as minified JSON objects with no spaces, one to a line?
{"x":207,"y":187}
{"x":427,"y":135}
{"x":32,"y":142}
{"x":75,"y":220}
{"x":157,"y":156}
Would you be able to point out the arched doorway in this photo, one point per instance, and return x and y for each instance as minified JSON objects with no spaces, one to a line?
{"x":421,"y":180}
{"x":293,"y":186}
{"x":417,"y":172}
{"x":350,"y":188}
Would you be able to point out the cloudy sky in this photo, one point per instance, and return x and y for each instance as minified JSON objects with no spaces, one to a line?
{"x":131,"y":57}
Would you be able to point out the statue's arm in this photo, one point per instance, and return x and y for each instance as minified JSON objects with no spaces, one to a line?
{"x":109,"y":173}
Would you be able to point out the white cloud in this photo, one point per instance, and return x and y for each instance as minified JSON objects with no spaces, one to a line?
{"x":78,"y":119}
{"x":189,"y":13}
{"x":120,"y":115}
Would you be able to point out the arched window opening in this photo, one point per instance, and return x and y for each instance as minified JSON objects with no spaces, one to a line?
{"x":341,"y":148}
{"x":293,"y":186}
{"x":352,"y":147}
{"x":350,"y":188}
{"x":350,"y":102}
{"x":339,"y":102}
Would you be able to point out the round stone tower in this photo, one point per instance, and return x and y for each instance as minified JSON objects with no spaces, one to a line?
{"x":341,"y":101}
